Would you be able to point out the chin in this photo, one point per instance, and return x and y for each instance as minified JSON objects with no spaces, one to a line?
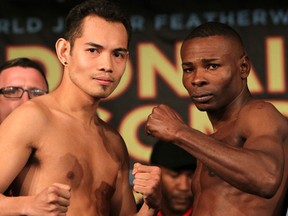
{"x":180,"y":210}
{"x":100,"y":95}
{"x":181,"y":206}
{"x":202,"y":108}
{"x":206,"y":107}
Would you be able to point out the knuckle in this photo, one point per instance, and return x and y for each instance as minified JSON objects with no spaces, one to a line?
{"x":52,"y":208}
{"x":52,"y":198}
{"x":52,"y":189}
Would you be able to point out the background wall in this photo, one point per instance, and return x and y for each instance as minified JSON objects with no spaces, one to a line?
{"x":30,"y":28}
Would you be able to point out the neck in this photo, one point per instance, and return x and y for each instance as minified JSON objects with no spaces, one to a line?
{"x":229,"y":112}
{"x":75,"y":102}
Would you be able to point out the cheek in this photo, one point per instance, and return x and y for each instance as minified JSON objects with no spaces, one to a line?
{"x":13,"y":105}
{"x":118,"y":73}
{"x":168,"y":183}
{"x":185,"y":81}
{"x":187,"y":85}
{"x":8,"y":106}
{"x":80,"y":68}
{"x":80,"y":62}
{"x":83,"y":65}
{"x":230,"y":81}
{"x":119,"y":66}
{"x":223,"y":80}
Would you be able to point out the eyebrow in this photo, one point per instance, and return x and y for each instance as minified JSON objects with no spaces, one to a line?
{"x":205,"y":61}
{"x":209,"y":60}
{"x":187,"y":64}
{"x":101,"y":47}
{"x":94,"y":45}
{"x":122,"y":50}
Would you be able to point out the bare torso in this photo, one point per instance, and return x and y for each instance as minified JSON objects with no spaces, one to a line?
{"x":82,"y":156}
{"x":216,"y":197}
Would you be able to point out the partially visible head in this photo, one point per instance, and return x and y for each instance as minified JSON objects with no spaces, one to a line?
{"x":16,"y":75}
{"x":177,"y":169}
{"x":102,"y":8}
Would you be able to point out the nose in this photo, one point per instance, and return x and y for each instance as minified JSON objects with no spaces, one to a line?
{"x":199,"y":79}
{"x":106,"y":63}
{"x":25,"y":97}
{"x":184,"y":183}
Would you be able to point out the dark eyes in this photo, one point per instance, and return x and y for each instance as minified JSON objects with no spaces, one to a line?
{"x":213,"y":66}
{"x":208,"y":67}
{"x":117,"y":54}
{"x":174,"y":174}
{"x":93,"y":50}
{"x":187,"y":70}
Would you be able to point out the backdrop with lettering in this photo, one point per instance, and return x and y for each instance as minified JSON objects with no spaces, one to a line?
{"x":153,"y":75}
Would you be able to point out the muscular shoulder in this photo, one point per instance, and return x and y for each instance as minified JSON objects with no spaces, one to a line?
{"x":255,"y":105}
{"x":30,"y":112}
{"x":259,"y":108}
{"x":26,"y":121}
{"x":258,"y":115}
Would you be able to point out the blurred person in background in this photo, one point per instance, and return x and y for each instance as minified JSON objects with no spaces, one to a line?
{"x":177,"y":169}
{"x":21,"y":79}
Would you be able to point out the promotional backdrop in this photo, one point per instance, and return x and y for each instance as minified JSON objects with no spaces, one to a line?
{"x":153,"y":75}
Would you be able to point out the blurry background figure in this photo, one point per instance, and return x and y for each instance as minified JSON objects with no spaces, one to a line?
{"x":177,"y":168}
{"x":21,"y":79}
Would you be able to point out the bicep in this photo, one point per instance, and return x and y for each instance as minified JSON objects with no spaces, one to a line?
{"x":15,"y":148}
{"x":269,"y":150}
{"x":266,"y":131}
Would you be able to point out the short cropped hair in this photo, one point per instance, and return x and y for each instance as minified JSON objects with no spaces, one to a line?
{"x":25,"y":63}
{"x":102,"y":8}
{"x":213,"y":29}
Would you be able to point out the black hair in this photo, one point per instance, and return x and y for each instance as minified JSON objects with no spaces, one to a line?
{"x":213,"y":29}
{"x":108,"y":10}
{"x":172,"y":157}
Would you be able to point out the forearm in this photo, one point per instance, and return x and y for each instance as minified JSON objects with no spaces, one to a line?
{"x":246,"y":169}
{"x":11,"y":206}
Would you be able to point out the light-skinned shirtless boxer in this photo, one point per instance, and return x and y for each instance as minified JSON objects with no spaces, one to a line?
{"x":56,"y":154}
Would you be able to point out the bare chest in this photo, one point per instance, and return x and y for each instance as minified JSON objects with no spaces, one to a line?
{"x":85,"y":160}
{"x":229,"y":135}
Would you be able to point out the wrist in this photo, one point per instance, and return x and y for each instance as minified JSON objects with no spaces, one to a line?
{"x":23,"y":203}
{"x":14,"y":205}
{"x":180,"y":133}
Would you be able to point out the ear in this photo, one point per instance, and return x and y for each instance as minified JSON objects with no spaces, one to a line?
{"x":245,"y":67}
{"x":62,"y":49}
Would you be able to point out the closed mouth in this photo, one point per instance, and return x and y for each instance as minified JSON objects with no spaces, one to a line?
{"x":104,"y":80}
{"x":202,"y":98}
